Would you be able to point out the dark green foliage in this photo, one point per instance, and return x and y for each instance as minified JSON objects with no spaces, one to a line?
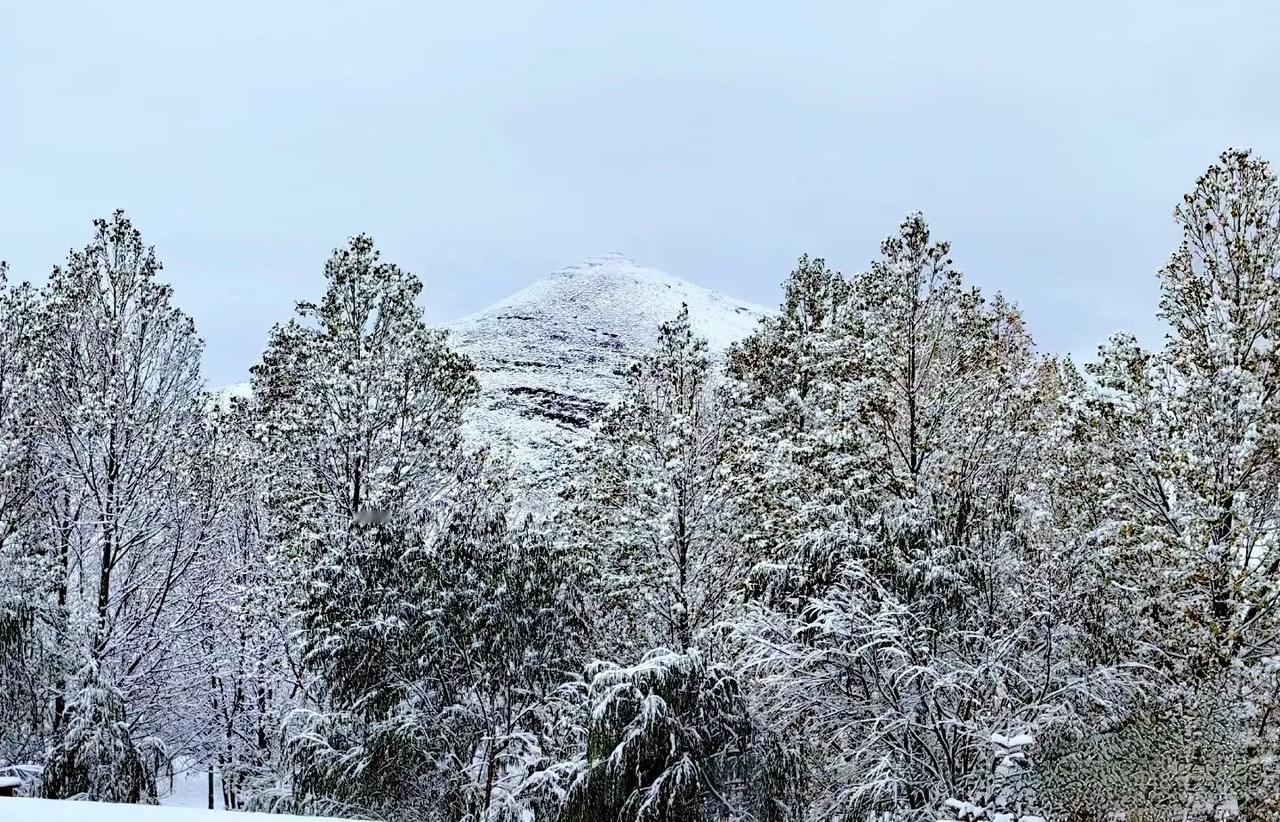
{"x":96,"y":756}
{"x":671,"y":740}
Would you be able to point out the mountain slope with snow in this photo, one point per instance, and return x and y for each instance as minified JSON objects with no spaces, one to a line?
{"x":552,"y":356}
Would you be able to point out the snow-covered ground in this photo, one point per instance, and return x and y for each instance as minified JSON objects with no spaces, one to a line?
{"x":190,"y":787}
{"x":185,"y":799}
{"x":52,"y":810}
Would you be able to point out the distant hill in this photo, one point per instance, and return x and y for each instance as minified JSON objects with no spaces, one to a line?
{"x":550,"y":357}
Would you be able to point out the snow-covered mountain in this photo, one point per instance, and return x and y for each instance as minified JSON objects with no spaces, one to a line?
{"x":550,"y":357}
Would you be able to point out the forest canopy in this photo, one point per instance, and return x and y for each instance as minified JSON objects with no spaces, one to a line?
{"x":883,"y":560}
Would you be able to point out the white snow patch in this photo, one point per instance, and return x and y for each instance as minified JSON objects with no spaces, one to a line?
{"x":221,"y":398}
{"x":58,"y":810}
{"x":189,"y":787}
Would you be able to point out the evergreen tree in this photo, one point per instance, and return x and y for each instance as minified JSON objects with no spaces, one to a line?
{"x":1184,"y":443}
{"x":359,"y":406}
{"x":96,"y":756}
{"x":652,"y":500}
{"x":430,"y":625}
{"x":672,"y":740}
{"x":478,"y":628}
{"x":508,"y":628}
{"x":942,"y":625}
{"x":799,"y":414}
{"x":1221,"y":297}
{"x":28,"y":662}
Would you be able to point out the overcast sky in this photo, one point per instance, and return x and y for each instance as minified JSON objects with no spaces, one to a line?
{"x":485,"y":144}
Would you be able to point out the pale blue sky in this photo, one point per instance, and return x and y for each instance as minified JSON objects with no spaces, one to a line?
{"x":484,"y":144}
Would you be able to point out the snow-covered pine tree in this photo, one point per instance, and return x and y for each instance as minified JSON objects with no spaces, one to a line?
{"x":798,"y":471}
{"x":1184,"y":441}
{"x":428,"y":627}
{"x":359,"y":406}
{"x":672,"y":739}
{"x":944,"y":624}
{"x":482,"y":625}
{"x":508,"y":626}
{"x":120,"y":405}
{"x":95,"y":756}
{"x":958,"y":403}
{"x":27,"y":616}
{"x":1104,"y":495}
{"x":651,"y":502}
{"x":1220,"y":411}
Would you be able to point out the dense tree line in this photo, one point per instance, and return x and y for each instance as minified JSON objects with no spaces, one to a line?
{"x":883,"y":561}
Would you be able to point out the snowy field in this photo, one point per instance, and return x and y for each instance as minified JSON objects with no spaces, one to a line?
{"x":190,"y":787}
{"x":186,"y":800}
{"x":52,"y":810}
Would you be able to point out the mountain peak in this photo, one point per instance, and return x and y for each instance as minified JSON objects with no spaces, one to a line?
{"x":552,"y":356}
{"x":610,"y":259}
{"x":613,"y":265}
